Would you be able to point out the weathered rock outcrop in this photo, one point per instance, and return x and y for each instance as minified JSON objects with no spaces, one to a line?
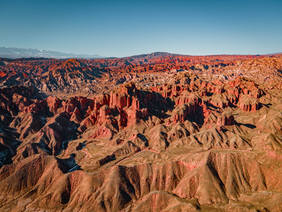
{"x":198,"y":137}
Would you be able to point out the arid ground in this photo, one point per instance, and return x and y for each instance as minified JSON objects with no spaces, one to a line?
{"x":156,"y":132}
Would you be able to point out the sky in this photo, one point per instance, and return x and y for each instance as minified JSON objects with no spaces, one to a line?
{"x":117,"y":28}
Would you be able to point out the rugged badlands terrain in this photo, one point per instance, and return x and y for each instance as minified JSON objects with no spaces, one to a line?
{"x":157,"y":132}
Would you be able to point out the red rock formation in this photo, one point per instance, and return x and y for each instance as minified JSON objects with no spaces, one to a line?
{"x":225,"y":120}
{"x":170,"y":140}
{"x":53,"y":103}
{"x":248,"y":103}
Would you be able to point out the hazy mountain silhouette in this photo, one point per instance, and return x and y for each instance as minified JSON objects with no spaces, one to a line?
{"x":22,"y":52}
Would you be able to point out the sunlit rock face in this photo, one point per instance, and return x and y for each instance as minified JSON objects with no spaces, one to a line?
{"x":156,"y":132}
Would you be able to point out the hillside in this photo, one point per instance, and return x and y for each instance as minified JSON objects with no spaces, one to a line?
{"x":156,"y":132}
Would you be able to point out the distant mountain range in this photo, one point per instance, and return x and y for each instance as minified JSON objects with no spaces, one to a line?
{"x":25,"y":53}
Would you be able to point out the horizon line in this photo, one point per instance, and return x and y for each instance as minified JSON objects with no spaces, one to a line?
{"x":133,"y":55}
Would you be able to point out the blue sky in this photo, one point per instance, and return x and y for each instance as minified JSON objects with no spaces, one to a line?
{"x":123,"y":27}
